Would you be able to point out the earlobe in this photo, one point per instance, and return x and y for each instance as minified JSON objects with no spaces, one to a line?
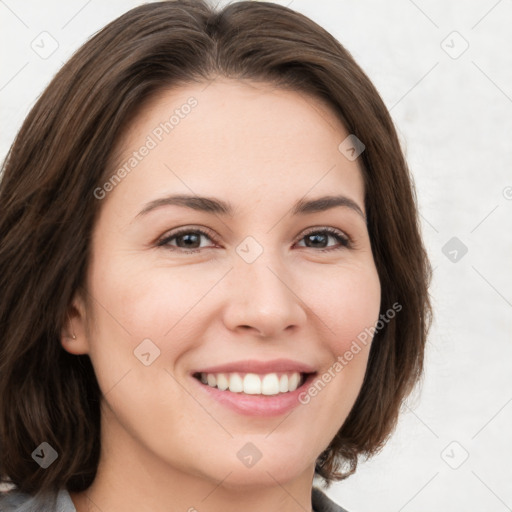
{"x":73,"y":333}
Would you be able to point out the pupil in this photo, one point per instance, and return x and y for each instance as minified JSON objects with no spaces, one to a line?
{"x":317,"y":237}
{"x":188,"y":238}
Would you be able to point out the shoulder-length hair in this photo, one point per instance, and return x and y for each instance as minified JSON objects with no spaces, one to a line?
{"x":61,"y":156}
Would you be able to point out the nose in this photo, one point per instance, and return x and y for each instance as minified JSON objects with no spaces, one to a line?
{"x":261,"y":298}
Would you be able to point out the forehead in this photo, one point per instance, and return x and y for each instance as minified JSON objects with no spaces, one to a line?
{"x":238,"y":138}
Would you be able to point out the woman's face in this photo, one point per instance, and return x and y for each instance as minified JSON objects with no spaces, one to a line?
{"x":266,"y":290}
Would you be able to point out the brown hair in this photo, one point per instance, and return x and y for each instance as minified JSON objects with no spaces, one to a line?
{"x":61,"y":155}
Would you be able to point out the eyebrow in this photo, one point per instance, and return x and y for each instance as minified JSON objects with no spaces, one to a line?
{"x":217,"y":206}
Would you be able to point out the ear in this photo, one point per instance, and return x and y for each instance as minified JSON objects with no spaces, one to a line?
{"x":73,"y":336}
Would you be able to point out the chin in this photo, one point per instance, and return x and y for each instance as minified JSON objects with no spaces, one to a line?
{"x":258,"y":462}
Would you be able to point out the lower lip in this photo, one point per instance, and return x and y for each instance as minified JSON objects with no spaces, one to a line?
{"x":257,"y":405}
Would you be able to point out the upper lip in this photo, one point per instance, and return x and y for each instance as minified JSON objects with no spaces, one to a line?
{"x":261,"y":367}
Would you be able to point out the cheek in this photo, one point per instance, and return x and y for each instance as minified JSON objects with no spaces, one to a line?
{"x":347,"y":302}
{"x":135,"y":303}
{"x":143,"y":298}
{"x":347,"y":305}
{"x":143,"y":317}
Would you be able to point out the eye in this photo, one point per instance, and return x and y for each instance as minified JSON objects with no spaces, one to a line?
{"x":321,"y":236}
{"x":187,"y":239}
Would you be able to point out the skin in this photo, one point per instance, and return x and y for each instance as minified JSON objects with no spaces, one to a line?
{"x":165,"y":446}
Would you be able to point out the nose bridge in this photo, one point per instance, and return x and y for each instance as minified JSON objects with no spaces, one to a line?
{"x":263,"y":296}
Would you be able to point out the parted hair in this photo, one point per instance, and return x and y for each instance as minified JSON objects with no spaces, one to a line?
{"x":61,"y":155}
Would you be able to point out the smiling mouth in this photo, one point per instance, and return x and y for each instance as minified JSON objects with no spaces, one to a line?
{"x":269,"y":384}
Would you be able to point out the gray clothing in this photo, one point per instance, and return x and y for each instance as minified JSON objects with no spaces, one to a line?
{"x":14,"y":501}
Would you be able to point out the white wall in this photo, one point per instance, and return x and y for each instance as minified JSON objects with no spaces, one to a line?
{"x":454,"y":116}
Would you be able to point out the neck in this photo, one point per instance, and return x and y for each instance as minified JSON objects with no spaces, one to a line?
{"x":115,"y":491}
{"x":131,"y":477}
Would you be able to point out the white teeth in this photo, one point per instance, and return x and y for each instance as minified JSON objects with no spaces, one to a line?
{"x":235,"y":383}
{"x":270,"y":384}
{"x":283,"y":383}
{"x":222,"y":382}
{"x":293,"y":382}
{"x":252,"y":383}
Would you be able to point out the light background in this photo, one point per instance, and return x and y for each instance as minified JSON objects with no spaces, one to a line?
{"x":453,"y":112}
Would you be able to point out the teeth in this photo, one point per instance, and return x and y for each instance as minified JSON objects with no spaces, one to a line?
{"x":252,"y":383}
{"x":283,"y":383}
{"x":236,"y":384}
{"x":222,"y":382}
{"x":293,"y":381}
{"x":270,"y":384}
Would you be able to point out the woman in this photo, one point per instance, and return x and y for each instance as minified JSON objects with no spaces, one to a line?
{"x":144,"y":369}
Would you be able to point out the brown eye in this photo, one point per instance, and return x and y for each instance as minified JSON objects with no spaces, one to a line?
{"x":187,"y":239}
{"x":319,"y":238}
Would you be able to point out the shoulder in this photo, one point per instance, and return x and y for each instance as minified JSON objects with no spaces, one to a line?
{"x":16,"y":501}
{"x":321,"y":503}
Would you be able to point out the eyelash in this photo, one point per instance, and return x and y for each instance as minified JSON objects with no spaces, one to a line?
{"x":345,"y":242}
